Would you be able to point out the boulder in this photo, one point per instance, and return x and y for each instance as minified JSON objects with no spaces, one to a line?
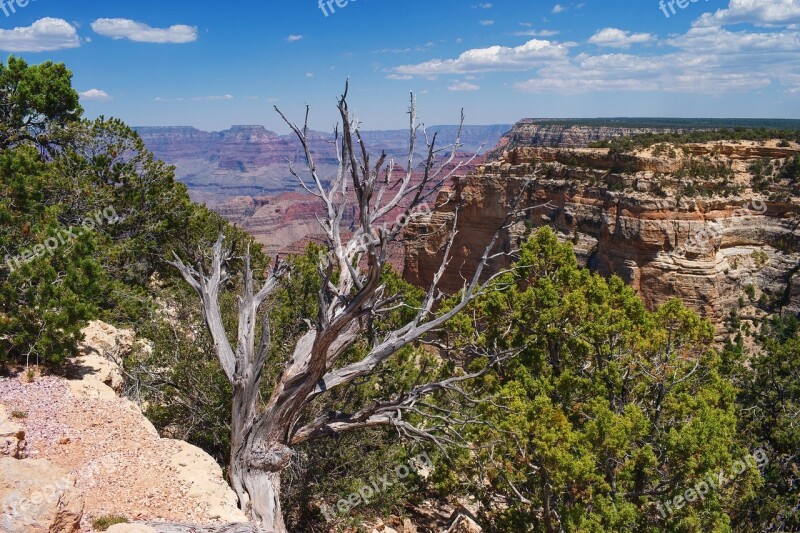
{"x":38,"y":497}
{"x":12,"y":437}
{"x":93,"y":367}
{"x":101,"y":356}
{"x":206,"y":483}
{"x":106,"y":341}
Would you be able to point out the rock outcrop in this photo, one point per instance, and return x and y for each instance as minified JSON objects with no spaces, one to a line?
{"x":113,"y":456}
{"x":544,"y":133}
{"x":37,"y":496}
{"x":580,"y":133}
{"x":286,"y":223}
{"x":12,"y":436}
{"x":101,"y":357}
{"x":689,"y":222}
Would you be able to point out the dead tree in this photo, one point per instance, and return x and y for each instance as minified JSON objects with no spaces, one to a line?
{"x":352,"y":294}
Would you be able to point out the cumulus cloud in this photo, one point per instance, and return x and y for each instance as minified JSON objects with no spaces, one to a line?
{"x":44,"y":35}
{"x":712,"y":59}
{"x":487,"y":22}
{"x":616,"y":38}
{"x":693,"y":70}
{"x":708,"y":39}
{"x":119,"y":28}
{"x":97,"y":95}
{"x":294,"y":38}
{"x":558,"y":8}
{"x":463,"y":86}
{"x":495,"y":58}
{"x":758,"y":12}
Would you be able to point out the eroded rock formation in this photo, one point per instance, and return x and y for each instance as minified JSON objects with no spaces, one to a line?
{"x":712,"y":224}
{"x":580,"y":133}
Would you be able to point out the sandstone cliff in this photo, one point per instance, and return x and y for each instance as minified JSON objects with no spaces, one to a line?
{"x":713,"y":224}
{"x":287,"y":222}
{"x":580,"y":133}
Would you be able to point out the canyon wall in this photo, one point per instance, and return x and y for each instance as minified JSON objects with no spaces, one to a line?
{"x":580,"y":133}
{"x":253,"y":161}
{"x":534,"y":133}
{"x":695,"y":222}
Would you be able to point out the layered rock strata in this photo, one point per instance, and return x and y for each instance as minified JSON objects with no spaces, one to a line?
{"x":712,"y":224}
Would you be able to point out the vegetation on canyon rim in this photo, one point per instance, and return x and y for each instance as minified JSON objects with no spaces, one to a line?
{"x":605,"y":409}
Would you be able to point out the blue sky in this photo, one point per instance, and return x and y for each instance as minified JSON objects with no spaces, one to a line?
{"x":211,"y":64}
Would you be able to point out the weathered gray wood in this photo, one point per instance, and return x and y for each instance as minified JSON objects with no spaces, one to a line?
{"x":262,"y":440}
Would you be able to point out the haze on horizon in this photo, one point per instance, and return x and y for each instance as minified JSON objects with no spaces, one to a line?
{"x":208,"y":65}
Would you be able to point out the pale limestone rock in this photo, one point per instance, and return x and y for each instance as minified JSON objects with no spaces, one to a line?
{"x":107,"y":341}
{"x":12,"y":437}
{"x":38,"y":497}
{"x":93,"y":367}
{"x":100,"y":358}
{"x":90,"y":388}
{"x":204,"y":477}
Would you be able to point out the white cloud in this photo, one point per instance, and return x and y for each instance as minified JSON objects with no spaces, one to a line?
{"x":708,"y":59}
{"x":759,"y":12}
{"x":712,"y":39}
{"x":495,"y":58}
{"x":536,"y":33}
{"x":558,"y":8}
{"x":97,"y":95}
{"x":211,"y":98}
{"x":688,"y":72}
{"x":44,"y":35}
{"x":616,"y":38}
{"x":119,"y":28}
{"x":485,"y":5}
{"x":294,"y":38}
{"x":487,"y":22}
{"x":463,"y":86}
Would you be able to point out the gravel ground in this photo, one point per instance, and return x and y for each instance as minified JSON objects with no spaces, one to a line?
{"x":121,"y":466}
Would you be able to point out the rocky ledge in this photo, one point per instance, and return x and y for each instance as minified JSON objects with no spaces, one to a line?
{"x":72,"y":451}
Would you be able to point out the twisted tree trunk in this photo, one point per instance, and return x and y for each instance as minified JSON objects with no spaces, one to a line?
{"x":351,"y":296}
